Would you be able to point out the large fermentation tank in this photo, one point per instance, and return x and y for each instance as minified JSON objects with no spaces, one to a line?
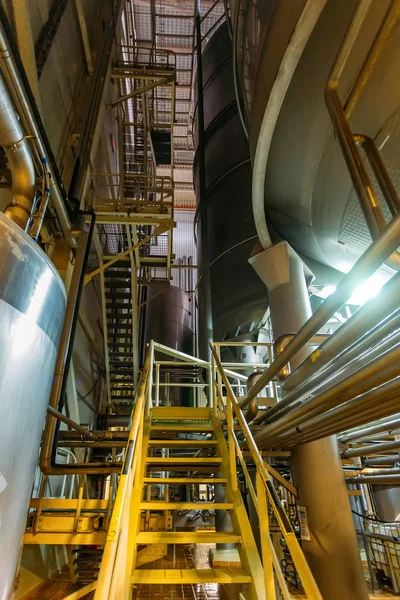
{"x":238,"y":295}
{"x":168,"y":319}
{"x":307,"y":190}
{"x":32,"y":305}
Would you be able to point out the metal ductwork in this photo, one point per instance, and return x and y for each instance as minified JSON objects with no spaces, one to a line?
{"x":19,"y":161}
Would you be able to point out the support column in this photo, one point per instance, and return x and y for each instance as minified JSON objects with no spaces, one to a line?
{"x":332,"y":550}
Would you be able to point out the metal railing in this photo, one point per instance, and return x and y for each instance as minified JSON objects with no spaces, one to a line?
{"x":262,"y":495}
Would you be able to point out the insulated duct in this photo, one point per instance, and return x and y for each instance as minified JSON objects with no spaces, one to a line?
{"x":19,"y":161}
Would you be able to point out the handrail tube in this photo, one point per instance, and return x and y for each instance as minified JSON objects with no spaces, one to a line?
{"x":365,"y":350}
{"x":369,"y":204}
{"x":367,"y":264}
{"x":373,"y":55}
{"x":371,"y":449}
{"x":375,"y":373}
{"x":362,"y":409}
{"x":386,"y":427}
{"x":17,"y":90}
{"x":299,"y":560}
{"x":382,"y":176}
{"x":111,"y":546}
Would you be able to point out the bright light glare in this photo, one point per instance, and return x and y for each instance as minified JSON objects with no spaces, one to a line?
{"x":361,"y":294}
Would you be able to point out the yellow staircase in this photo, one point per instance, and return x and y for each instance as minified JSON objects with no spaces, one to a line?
{"x":201,"y":446}
{"x":161,"y":424}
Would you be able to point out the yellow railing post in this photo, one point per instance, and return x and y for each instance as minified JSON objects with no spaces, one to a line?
{"x":231,"y":447}
{"x":105,"y":580}
{"x":265,"y":539}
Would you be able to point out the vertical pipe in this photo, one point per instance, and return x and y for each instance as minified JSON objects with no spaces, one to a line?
{"x":332,"y":550}
{"x":205,"y":301}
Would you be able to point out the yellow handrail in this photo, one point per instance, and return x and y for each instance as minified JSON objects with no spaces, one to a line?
{"x":108,"y":563}
{"x":293,"y":545}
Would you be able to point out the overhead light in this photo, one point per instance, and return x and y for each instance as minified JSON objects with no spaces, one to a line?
{"x":364,"y":292}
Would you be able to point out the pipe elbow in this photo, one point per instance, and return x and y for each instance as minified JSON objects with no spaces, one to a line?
{"x":19,"y":160}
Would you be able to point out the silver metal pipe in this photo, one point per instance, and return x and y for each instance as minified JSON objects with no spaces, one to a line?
{"x":375,"y":373}
{"x":387,"y":427}
{"x":382,"y":460}
{"x":360,"y":353}
{"x":391,"y":480}
{"x":82,"y":430}
{"x":362,"y":409}
{"x":372,"y":258}
{"x":371,"y":449}
{"x":367,"y":317}
{"x":50,"y":428}
{"x":19,"y":161}
{"x":17,"y":90}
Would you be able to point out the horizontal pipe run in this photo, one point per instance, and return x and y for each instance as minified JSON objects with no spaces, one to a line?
{"x":372,"y":258}
{"x":98,"y":444}
{"x":387,"y":427}
{"x":369,"y":325}
{"x":371,"y":449}
{"x":382,"y":460}
{"x":375,"y":373}
{"x":392,"y":480}
{"x":60,"y":417}
{"x":367,"y":410}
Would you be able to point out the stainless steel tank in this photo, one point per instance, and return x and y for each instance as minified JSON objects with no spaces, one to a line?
{"x":32,"y":305}
{"x":168,"y":322}
{"x":238,"y":295}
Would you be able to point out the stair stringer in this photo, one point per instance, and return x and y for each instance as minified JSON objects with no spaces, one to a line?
{"x":248,"y":550}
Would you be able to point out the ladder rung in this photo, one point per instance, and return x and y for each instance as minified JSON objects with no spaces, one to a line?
{"x":161,"y":505}
{"x":187,"y":537}
{"x":183,"y":480}
{"x":189,"y":576}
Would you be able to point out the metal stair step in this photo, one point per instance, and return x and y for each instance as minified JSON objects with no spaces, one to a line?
{"x":122,"y":363}
{"x":187,"y":537}
{"x":199,"y":428}
{"x":162,"y":505}
{"x":183,"y":480}
{"x":118,"y":296}
{"x":116,"y":354}
{"x":164,"y":413}
{"x":182,"y":443}
{"x":119,"y":345}
{"x":189,"y":576}
{"x":187,"y":461}
{"x":116,"y":285}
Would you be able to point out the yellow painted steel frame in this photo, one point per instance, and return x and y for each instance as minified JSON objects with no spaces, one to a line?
{"x":265,"y":489}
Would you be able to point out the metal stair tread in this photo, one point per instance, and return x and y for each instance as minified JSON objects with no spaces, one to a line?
{"x":189,"y":576}
{"x":162,"y":505}
{"x":206,"y":460}
{"x":187,"y":537}
{"x":183,"y":480}
{"x":182,"y":442}
{"x":181,"y":427}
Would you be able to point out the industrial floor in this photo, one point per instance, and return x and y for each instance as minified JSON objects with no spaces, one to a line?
{"x":186,"y":557}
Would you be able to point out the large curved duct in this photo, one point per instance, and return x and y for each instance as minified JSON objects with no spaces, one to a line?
{"x":238,"y":296}
{"x":32,"y":304}
{"x":19,"y":161}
